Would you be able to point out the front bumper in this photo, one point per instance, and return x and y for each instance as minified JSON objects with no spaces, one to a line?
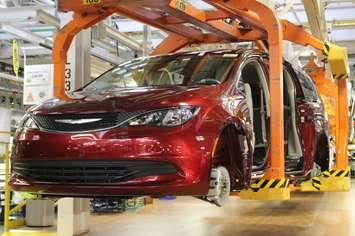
{"x":171,"y":163}
{"x":18,"y":183}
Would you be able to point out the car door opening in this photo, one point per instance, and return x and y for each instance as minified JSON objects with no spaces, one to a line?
{"x":254,"y":84}
{"x":293,"y":149}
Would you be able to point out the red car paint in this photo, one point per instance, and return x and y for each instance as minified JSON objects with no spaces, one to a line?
{"x":191,"y":149}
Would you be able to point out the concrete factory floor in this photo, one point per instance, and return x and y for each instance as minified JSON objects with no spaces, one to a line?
{"x":306,"y":214}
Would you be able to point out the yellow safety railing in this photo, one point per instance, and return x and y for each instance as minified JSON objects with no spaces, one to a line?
{"x":8,"y":211}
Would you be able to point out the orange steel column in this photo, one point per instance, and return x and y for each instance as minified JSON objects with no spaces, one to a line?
{"x":273,"y":27}
{"x":342,"y":118}
{"x":62,"y":43}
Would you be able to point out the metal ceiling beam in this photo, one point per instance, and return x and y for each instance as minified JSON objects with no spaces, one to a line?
{"x":287,"y":8}
{"x":46,"y":18}
{"x":339,"y":24}
{"x":25,"y":35}
{"x":9,"y":77}
{"x":102,"y":54}
{"x":42,"y":41}
{"x":105,"y":31}
{"x":316,"y":17}
{"x":343,"y":24}
{"x":28,"y":49}
{"x":16,"y":14}
{"x":125,"y":54}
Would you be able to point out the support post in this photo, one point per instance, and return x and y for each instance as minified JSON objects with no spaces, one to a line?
{"x":73,"y":216}
{"x":62,"y":43}
{"x":65,"y":218}
{"x":77,"y":68}
{"x":342,"y":136}
{"x":275,"y":39}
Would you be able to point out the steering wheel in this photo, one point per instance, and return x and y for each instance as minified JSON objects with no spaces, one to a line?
{"x":165,"y":71}
{"x":209,"y":81}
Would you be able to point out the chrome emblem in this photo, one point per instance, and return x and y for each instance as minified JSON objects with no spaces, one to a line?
{"x":77,"y":121}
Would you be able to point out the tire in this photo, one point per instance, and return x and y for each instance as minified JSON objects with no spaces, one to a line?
{"x":220,"y":186}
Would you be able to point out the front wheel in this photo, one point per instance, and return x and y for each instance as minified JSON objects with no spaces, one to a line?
{"x":220,"y":186}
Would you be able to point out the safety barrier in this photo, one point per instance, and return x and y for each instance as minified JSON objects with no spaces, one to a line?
{"x":335,"y":180}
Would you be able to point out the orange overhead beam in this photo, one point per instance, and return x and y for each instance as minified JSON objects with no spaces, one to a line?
{"x":201,"y":19}
{"x":149,"y":17}
{"x":244,"y":15}
{"x":172,"y":43}
{"x":298,"y":35}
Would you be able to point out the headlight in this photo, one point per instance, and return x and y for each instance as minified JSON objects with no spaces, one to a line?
{"x":167,"y":117}
{"x":28,"y":123}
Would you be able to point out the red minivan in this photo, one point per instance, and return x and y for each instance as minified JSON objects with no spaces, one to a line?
{"x":168,"y":125}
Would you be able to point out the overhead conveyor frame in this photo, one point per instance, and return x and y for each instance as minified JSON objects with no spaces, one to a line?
{"x":185,"y":24}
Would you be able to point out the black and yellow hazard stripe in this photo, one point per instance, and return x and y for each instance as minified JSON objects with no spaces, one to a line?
{"x":269,"y":184}
{"x":326,"y":174}
{"x":337,"y":173}
{"x":326,"y":49}
{"x":316,"y":183}
{"x":340,"y":76}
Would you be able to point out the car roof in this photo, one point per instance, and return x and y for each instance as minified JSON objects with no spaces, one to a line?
{"x":232,"y":53}
{"x":236,"y":51}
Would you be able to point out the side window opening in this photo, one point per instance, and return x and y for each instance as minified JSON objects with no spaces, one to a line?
{"x":308,"y":88}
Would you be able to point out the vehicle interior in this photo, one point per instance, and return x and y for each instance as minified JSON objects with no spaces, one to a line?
{"x":254,"y":84}
{"x":293,"y":149}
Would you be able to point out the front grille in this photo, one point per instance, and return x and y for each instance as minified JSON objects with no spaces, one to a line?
{"x":82,"y":122}
{"x":89,"y":172}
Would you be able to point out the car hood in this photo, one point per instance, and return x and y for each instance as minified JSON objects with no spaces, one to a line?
{"x":128,"y":99}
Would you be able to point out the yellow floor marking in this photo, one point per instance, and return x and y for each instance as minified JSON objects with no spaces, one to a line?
{"x":29,"y":233}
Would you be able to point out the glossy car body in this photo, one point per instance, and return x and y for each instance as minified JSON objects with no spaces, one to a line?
{"x":120,"y":159}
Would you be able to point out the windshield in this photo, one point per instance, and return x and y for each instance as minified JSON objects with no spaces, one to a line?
{"x":182,"y":70}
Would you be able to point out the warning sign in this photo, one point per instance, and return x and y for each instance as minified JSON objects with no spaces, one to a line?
{"x":30,"y":97}
{"x":38,"y":84}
